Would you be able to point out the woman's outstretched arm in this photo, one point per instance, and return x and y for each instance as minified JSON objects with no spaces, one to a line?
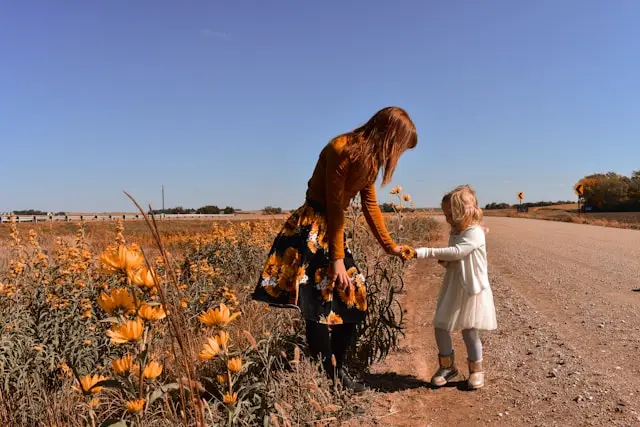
{"x":375,"y":219}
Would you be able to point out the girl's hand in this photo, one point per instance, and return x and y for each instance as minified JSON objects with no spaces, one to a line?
{"x":338,"y":274}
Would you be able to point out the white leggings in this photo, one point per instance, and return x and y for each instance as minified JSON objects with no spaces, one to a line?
{"x":471,"y":341}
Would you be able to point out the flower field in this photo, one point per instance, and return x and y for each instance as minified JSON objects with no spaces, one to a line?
{"x":128,"y":324}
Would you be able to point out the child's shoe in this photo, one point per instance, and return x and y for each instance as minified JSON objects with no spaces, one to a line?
{"x":476,"y":375}
{"x":446,"y":371}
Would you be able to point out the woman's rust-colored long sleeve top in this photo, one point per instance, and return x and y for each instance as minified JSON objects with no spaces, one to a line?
{"x":335,"y":181}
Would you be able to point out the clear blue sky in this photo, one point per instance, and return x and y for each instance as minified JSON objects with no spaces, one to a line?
{"x":231,"y":102}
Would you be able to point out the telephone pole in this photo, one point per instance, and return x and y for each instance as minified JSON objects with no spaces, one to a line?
{"x":163,"y":198}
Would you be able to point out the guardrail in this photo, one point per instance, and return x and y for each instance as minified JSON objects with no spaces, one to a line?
{"x":125,"y":217}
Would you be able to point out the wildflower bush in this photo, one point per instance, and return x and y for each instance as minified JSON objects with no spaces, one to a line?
{"x":138,"y":336}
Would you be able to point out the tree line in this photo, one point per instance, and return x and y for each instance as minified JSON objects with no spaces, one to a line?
{"x":208,"y":210}
{"x":527,"y":204}
{"x":612,"y":191}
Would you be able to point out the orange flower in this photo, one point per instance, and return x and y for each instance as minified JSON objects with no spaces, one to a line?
{"x":130,"y":331}
{"x":222,"y":378}
{"x":407,"y":253}
{"x":143,"y":277}
{"x":88,"y":384}
{"x":112,"y":261}
{"x":230,"y":399}
{"x":396,"y":190}
{"x":235,"y":365}
{"x":135,"y":406}
{"x":209,"y":350}
{"x":120,"y":299}
{"x":406,"y":198}
{"x":122,"y":366}
{"x":219,"y":316}
{"x":152,"y":370}
{"x":127,"y":259}
{"x":151,"y":313}
{"x":223,"y":340}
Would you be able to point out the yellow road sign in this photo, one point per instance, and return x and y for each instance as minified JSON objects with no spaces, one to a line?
{"x":579,"y":189}
{"x":520,"y":195}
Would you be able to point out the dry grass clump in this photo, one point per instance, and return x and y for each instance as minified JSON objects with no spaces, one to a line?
{"x":132,"y":335}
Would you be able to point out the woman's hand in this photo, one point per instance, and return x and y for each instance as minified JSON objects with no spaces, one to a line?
{"x":339,"y":274}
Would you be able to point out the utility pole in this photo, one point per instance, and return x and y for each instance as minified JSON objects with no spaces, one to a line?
{"x":163,"y":198}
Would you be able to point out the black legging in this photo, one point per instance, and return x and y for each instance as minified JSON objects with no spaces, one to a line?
{"x":321,"y":344}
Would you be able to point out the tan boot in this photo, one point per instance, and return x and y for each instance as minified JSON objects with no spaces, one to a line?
{"x":446,"y":371}
{"x":476,"y":375}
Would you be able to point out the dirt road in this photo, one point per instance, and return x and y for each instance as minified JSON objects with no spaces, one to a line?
{"x":567,"y":351}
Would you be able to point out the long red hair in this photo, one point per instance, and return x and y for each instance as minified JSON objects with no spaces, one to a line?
{"x":379,"y":143}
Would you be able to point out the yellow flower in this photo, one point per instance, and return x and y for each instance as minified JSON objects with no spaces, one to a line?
{"x":222,"y":379}
{"x":396,"y":190}
{"x":230,"y":399}
{"x":127,"y":259}
{"x":120,"y":299}
{"x":151,"y":313}
{"x":151,"y":371}
{"x":130,"y":331}
{"x":209,"y":350}
{"x":113,"y":261}
{"x":143,"y":277}
{"x":406,"y":198}
{"x":88,"y":384}
{"x":122,"y":366}
{"x":223,"y":340}
{"x":407,"y":253}
{"x":235,"y":365}
{"x":94,"y":403}
{"x":135,"y":406}
{"x":219,"y":316}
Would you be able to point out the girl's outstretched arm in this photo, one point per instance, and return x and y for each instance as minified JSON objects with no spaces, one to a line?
{"x":472,"y":239}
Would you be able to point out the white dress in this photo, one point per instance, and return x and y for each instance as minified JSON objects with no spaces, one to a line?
{"x":465,"y":299}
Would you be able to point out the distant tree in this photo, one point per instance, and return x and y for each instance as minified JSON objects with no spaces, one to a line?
{"x":29,"y":212}
{"x":387,"y":207}
{"x":209,"y":210}
{"x":228,"y":210}
{"x":271,"y":210}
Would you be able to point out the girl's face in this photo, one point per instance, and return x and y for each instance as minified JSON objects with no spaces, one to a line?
{"x":446,"y":208}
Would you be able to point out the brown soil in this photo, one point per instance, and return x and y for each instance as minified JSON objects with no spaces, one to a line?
{"x":566,"y":349}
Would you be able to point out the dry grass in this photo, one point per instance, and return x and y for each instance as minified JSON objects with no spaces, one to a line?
{"x":568,"y":213}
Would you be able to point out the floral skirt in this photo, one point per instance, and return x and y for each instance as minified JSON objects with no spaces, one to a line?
{"x":295,"y":273}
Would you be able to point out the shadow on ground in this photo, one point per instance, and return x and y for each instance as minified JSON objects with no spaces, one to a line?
{"x":390,"y":382}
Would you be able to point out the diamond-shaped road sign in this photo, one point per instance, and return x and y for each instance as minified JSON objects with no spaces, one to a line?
{"x":520,"y":195}
{"x":579,"y":189}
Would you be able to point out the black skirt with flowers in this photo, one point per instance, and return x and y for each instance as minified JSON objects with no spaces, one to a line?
{"x":295,"y":273}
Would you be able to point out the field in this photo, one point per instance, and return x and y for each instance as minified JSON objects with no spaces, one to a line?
{"x":569,"y":213}
{"x":195,"y":350}
{"x":103,"y":324}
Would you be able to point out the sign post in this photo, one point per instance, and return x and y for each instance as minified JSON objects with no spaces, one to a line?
{"x":520,"y":197}
{"x":579,"y":190}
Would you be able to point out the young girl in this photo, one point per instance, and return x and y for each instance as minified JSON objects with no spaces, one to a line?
{"x":465,"y":301}
{"x":309,"y":266}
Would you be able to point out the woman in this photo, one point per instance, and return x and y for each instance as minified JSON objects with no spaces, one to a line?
{"x":309,"y":265}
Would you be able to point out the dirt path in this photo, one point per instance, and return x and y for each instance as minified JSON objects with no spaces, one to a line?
{"x":567,"y":351}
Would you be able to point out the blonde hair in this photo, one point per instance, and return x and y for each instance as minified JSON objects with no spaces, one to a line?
{"x":464,"y":208}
